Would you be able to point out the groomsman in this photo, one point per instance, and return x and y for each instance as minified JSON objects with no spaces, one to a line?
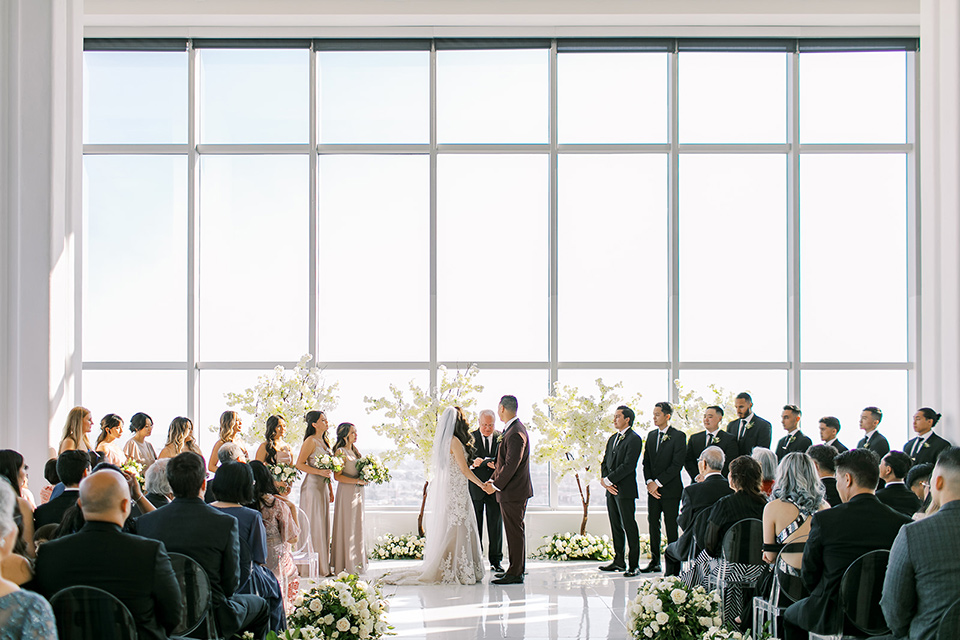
{"x":794,"y":441}
{"x":662,"y":462}
{"x":750,"y":430}
{"x":926,"y":447}
{"x":870,"y":418}
{"x":486,"y":444}
{"x":829,"y":428}
{"x":619,"y":477}
{"x":711,"y":436}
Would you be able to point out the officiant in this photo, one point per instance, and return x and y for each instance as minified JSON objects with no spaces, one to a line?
{"x":486,"y":442}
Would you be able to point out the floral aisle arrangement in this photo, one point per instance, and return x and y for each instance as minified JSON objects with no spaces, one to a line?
{"x":408,"y":546}
{"x":326,"y":462}
{"x":668,"y":609}
{"x":722,"y":633}
{"x":343,"y":608}
{"x":284,"y":473}
{"x":372,"y":470}
{"x":575,"y":546}
{"x":645,"y":544}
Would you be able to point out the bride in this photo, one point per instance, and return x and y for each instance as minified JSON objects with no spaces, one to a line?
{"x":452,"y":551}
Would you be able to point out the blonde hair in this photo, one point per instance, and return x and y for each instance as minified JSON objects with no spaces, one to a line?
{"x":180,"y":427}
{"x":227,"y":420}
{"x":73,"y":429}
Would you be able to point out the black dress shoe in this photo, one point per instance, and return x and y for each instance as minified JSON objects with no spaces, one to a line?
{"x":613,"y":567}
{"x":500,"y":575}
{"x":631,"y":573}
{"x":508,"y":579}
{"x":651,"y":568}
{"x":496,"y":567}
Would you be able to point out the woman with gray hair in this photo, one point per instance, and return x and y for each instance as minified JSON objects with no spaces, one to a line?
{"x":768,"y":468}
{"x":156,"y":487}
{"x":23,"y":614}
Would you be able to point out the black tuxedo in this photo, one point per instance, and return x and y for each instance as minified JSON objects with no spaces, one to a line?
{"x":839,"y":446}
{"x":52,"y":512}
{"x":134,"y":569}
{"x":619,"y":466}
{"x":899,"y":498}
{"x":662,"y":463}
{"x":929,"y":451}
{"x":830,"y":489}
{"x":838,"y":536}
{"x":697,"y":444}
{"x":211,"y":537}
{"x":876,"y":443}
{"x":794,"y":442}
{"x":482,"y":500}
{"x":758,"y":433}
{"x":696,"y":499}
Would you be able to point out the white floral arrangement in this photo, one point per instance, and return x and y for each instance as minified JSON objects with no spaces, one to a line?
{"x":326,"y":462}
{"x":372,"y":470}
{"x":343,"y":608}
{"x":284,"y":473}
{"x":575,"y":546}
{"x":134,"y":468}
{"x":645,"y":544}
{"x":408,"y":546}
{"x":722,"y":633}
{"x":667,"y":608}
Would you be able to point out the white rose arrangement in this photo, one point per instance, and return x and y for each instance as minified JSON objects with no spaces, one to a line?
{"x":575,"y":546}
{"x":720,"y":633}
{"x":343,"y":608}
{"x":404,"y":547}
{"x":372,"y":470}
{"x":326,"y":462}
{"x":284,"y":473}
{"x":667,"y":608}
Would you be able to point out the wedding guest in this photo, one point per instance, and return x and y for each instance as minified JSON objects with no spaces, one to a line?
{"x":316,"y":492}
{"x":274,"y":450}
{"x":870,"y":418}
{"x":347,"y":549}
{"x":14,"y":471}
{"x":711,"y":436}
{"x":180,"y":438}
{"x":229,"y":452}
{"x":101,"y":555}
{"x":73,"y":520}
{"x":155,"y":485}
{"x":662,"y":462}
{"x":111,"y":428}
{"x":918,"y":481}
{"x":50,"y":475}
{"x":823,"y":459}
{"x":189,"y":526}
{"x":72,"y":467}
{"x":24,"y":615}
{"x":137,"y":447}
{"x":618,"y":475}
{"x":895,"y":494}
{"x":485,"y":451}
{"x":79,"y":424}
{"x":768,"y":467}
{"x":750,"y":430}
{"x":230,"y":426}
{"x":281,"y":529}
{"x":795,"y":441}
{"x":43,"y":534}
{"x":927,"y":445}
{"x":829,"y":428}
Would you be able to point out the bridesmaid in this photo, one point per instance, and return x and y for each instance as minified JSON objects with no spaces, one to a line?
{"x":274,"y":450}
{"x":347,"y":550}
{"x":79,"y":424}
{"x":111,"y":428}
{"x":180,"y":438}
{"x":137,"y":447}
{"x":316,"y":493}
{"x":230,"y":426}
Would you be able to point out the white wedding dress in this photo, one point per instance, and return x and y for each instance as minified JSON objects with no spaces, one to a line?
{"x":452,"y":553}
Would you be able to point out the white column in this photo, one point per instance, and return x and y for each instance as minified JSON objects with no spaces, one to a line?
{"x":41,"y":54}
{"x":940,"y":212}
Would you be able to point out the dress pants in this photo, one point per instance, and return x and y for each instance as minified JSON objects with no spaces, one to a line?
{"x":252,"y":614}
{"x":623,"y":524}
{"x":494,"y":526}
{"x":669,"y":506}
{"x":513,"y":514}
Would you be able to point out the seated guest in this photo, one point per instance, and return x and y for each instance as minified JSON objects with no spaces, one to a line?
{"x":697,"y":498}
{"x":135,"y":570}
{"x":921,"y":580}
{"x":72,"y":467}
{"x":927,"y":445}
{"x":918,"y":481}
{"x":44,"y":534}
{"x":838,"y":536}
{"x":23,"y":614}
{"x":711,"y":436}
{"x":829,"y":428}
{"x":795,"y":441}
{"x":50,"y":475}
{"x":823,"y":456}
{"x":226,"y":452}
{"x":282,"y":530}
{"x":210,"y":537}
{"x":895,"y":494}
{"x":155,"y":485}
{"x":73,"y":520}
{"x":768,"y":467}
{"x":14,"y":471}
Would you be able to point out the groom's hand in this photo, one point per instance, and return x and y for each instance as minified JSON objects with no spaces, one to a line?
{"x":488,"y":487}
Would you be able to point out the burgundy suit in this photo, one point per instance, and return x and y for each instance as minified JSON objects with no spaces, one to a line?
{"x":512,"y":479}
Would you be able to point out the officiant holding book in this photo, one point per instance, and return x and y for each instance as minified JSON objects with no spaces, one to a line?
{"x":486,"y":444}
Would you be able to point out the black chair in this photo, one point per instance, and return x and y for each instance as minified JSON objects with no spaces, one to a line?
{"x":197,"y":596}
{"x":787,"y":582}
{"x":860,"y":591}
{"x":949,"y":628}
{"x":89,"y":613}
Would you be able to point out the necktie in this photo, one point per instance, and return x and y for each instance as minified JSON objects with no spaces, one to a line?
{"x":489,"y":442}
{"x":659,"y":439}
{"x":916,"y":447}
{"x":743,"y":424}
{"x":709,"y":439}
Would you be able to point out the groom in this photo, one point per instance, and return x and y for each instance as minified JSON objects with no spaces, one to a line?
{"x":511,"y":482}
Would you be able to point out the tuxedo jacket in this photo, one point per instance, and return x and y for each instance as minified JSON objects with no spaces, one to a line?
{"x":830,"y":489}
{"x":512,"y":473}
{"x":663,"y":464}
{"x":134,"y":569}
{"x":759,"y":434}
{"x":899,"y":498}
{"x":52,"y":512}
{"x":698,"y":442}
{"x":483,"y":472}
{"x":794,"y":442}
{"x":696,"y":501}
{"x":839,"y":446}
{"x":619,"y":464}
{"x":876,"y":443}
{"x":929,"y":451}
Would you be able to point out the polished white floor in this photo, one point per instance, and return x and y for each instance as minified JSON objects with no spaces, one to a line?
{"x":557,"y":600}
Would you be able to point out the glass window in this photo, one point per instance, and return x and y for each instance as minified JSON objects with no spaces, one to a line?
{"x":374,"y":96}
{"x":374,"y":258}
{"x":612,"y":97}
{"x":492,"y":257}
{"x":135,"y":258}
{"x":254,"y":249}
{"x":767,"y":388}
{"x":733,"y":262}
{"x":853,"y":279}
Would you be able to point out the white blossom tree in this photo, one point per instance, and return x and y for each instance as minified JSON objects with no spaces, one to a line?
{"x":688,"y":412}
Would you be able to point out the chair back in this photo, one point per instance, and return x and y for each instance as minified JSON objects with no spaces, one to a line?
{"x":88,"y":613}
{"x":860,"y":591}
{"x":949,"y":628}
{"x":304,"y":542}
{"x":194,"y":590}
{"x":787,"y":567}
{"x":743,"y":542}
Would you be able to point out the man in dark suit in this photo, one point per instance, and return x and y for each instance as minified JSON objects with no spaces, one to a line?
{"x":895,"y":494}
{"x":795,"y":441}
{"x":191,"y":527}
{"x":72,"y":467}
{"x":838,"y":536}
{"x":696,"y":499}
{"x":511,"y":481}
{"x":486,"y":443}
{"x":711,"y":436}
{"x":662,"y":462}
{"x":134,"y":569}
{"x":618,"y":475}
{"x":926,"y":447}
{"x":870,"y":419}
{"x":829,"y":428}
{"x":750,"y":430}
{"x":921,"y":579}
{"x":823,"y":456}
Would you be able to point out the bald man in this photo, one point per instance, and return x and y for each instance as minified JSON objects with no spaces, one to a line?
{"x":134,"y":569}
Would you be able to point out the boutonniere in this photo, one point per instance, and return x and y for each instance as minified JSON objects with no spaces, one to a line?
{"x":665,"y":437}
{"x":749,"y":426}
{"x":792,"y":437}
{"x":925,"y":445}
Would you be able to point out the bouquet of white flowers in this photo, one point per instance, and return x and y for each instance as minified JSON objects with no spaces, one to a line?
{"x":326,"y":462}
{"x":573,"y":546}
{"x":134,"y":468}
{"x":670,"y":610}
{"x":391,"y":547}
{"x":344,"y":607}
{"x":372,"y":470}
{"x":284,"y":473}
{"x":721,"y":633}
